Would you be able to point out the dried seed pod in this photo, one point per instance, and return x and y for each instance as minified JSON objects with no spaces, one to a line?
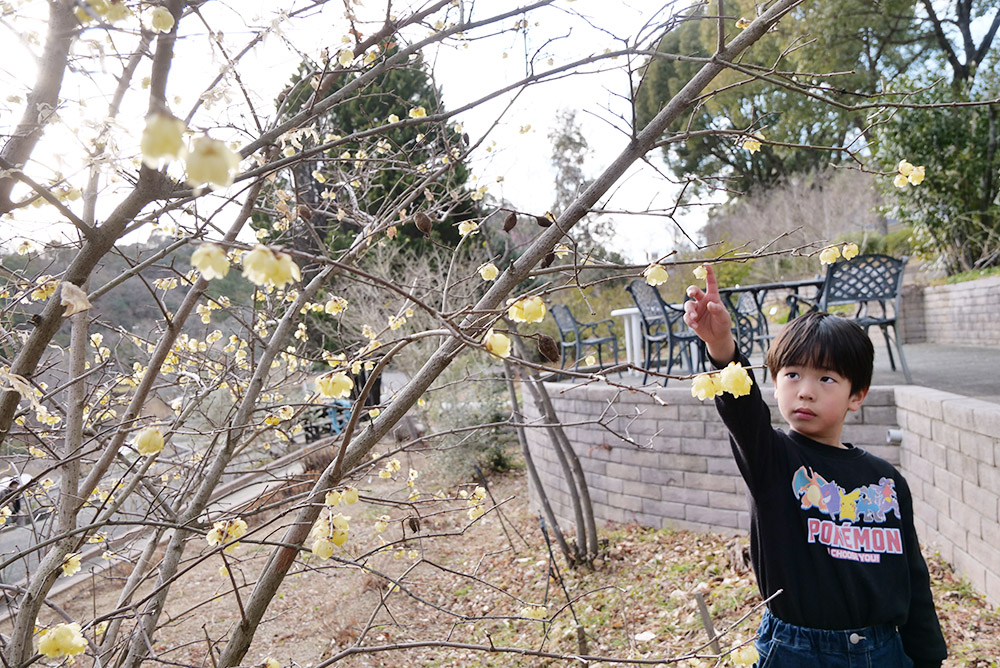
{"x":304,"y":212}
{"x":547,"y":260}
{"x":543,"y":221}
{"x":548,"y":347}
{"x":414,"y":523}
{"x":423,"y":222}
{"x":509,"y":221}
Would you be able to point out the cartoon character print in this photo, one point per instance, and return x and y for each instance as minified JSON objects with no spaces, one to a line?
{"x":870,"y":502}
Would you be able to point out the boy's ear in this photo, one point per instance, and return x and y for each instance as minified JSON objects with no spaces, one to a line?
{"x":856,"y":399}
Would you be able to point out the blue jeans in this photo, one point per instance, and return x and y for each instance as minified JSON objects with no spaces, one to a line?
{"x":783,"y":645}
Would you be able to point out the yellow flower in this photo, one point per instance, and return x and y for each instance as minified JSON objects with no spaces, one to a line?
{"x":489,"y":271}
{"x":149,"y":441}
{"x":392,"y":118}
{"x":117,"y":11}
{"x":752,"y":143}
{"x":382,"y":523}
{"x":322,"y":548}
{"x":62,"y":640}
{"x":529,"y":309}
{"x":467,"y":227}
{"x":561,"y":250}
{"x":71,"y":564}
{"x":900,"y":181}
{"x":700,"y":272}
{"x":374,"y":413}
{"x":904,"y":168}
{"x":916,"y":176}
{"x":349,"y":497}
{"x":418,"y":112}
{"x":163,"y":137}
{"x":742,"y":23}
{"x":211,"y":261}
{"x":271,"y":663}
{"x":73,"y":298}
{"x":849,"y":251}
{"x":655,"y":274}
{"x":211,"y":161}
{"x":160,"y":19}
{"x":335,"y":385}
{"x":335,"y":305}
{"x":534,"y":612}
{"x":590,"y":360}
{"x":332,"y":498}
{"x":705,"y":386}
{"x":745,"y":656}
{"x":735,"y":380}
{"x":262,"y":266}
{"x":346,"y":57}
{"x":829,"y":255}
{"x":476,"y":512}
{"x":497,"y":344}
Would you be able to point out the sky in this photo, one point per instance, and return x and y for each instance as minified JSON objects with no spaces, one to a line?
{"x":516,"y":169}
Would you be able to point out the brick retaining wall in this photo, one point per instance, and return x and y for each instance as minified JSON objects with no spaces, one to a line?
{"x":680,"y":472}
{"x":963,"y":313}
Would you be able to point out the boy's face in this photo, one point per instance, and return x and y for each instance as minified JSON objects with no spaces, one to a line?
{"x":815,"y":401}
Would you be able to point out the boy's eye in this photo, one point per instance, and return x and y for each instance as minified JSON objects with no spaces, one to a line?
{"x":791,"y":374}
{"x":828,"y":379}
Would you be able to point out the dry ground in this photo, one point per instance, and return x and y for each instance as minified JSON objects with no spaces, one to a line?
{"x":468,"y":588}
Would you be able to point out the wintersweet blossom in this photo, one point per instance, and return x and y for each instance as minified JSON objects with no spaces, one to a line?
{"x":71,"y":564}
{"x":345,"y":58}
{"x":534,"y":612}
{"x":700,"y":272}
{"x":655,"y":274}
{"x":745,"y":656}
{"x":742,"y":23}
{"x":73,"y":298}
{"x":349,"y":497}
{"x":590,"y":360}
{"x":418,"y":112}
{"x":489,"y":271}
{"x":225,"y":532}
{"x":335,"y":305}
{"x":497,"y":344}
{"x":467,"y":227}
{"x":211,"y":162}
{"x":529,"y":309}
{"x":160,"y":19}
{"x":829,"y":255}
{"x":849,"y":251}
{"x":323,"y":548}
{"x":735,"y":380}
{"x":335,"y":385}
{"x":62,"y":640}
{"x":149,"y":441}
{"x":908,"y":174}
{"x":705,"y":386}
{"x":162,"y":138}
{"x":262,"y":266}
{"x":561,"y":250}
{"x":271,"y":662}
{"x":752,"y":143}
{"x":211,"y":261}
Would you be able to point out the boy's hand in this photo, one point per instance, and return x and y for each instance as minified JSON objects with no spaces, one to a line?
{"x":707,"y":316}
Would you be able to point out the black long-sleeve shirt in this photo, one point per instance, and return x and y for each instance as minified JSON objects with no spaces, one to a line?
{"x":833,"y":529}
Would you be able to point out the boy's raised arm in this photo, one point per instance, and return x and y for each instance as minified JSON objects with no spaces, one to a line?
{"x":707,"y":316}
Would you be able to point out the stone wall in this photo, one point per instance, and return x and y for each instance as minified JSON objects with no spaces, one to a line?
{"x":962,"y":314}
{"x":951,"y":448}
{"x":678,"y":470}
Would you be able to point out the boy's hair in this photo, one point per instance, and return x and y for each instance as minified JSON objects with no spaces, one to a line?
{"x":824,"y":341}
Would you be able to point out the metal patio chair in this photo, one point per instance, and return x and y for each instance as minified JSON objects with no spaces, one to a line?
{"x":580,"y":335}
{"x":869,"y":284}
{"x":662,"y":325}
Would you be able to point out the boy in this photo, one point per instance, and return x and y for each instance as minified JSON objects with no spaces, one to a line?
{"x":830,"y":524}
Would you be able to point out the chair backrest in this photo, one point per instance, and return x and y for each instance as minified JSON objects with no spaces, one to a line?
{"x":863,"y":279}
{"x":648,"y":299}
{"x":565,"y":321}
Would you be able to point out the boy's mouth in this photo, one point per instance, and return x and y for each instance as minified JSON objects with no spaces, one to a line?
{"x":804,"y":413}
